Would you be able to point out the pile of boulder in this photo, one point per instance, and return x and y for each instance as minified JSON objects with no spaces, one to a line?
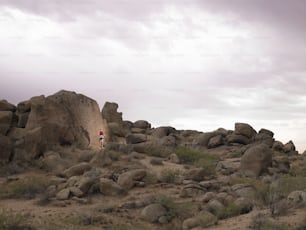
{"x":43,"y":123}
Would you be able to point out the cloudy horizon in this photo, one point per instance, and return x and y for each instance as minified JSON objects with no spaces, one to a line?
{"x":194,"y":64}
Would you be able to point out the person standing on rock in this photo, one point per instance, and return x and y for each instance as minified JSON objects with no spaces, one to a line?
{"x":101,"y":139}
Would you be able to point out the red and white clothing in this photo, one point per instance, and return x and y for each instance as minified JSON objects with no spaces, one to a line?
{"x":101,"y":135}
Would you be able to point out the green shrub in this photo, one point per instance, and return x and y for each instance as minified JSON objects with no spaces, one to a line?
{"x":27,"y":187}
{"x":150,"y":178}
{"x":10,"y":221}
{"x":230,"y":210}
{"x":289,"y":184}
{"x":169,"y":175}
{"x":200,"y":159}
{"x":157,"y":151}
{"x":266,"y":224}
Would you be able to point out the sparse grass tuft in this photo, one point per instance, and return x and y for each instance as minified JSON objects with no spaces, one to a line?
{"x":230,"y":210}
{"x":27,"y":187}
{"x":266,"y":224}
{"x":10,"y":221}
{"x":158,"y":151}
{"x":169,"y":175}
{"x":180,"y":210}
{"x":199,"y":159}
{"x":289,"y":184}
{"x":150,"y":178}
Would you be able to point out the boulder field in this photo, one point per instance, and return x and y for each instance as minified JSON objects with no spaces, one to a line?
{"x":146,"y":177}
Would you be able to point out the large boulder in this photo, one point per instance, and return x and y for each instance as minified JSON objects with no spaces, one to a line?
{"x":6,"y":118}
{"x":289,"y":147}
{"x":110,"y":188}
{"x":66,"y":118}
{"x":297,"y":199}
{"x":34,"y":143}
{"x":136,"y":138}
{"x":6,"y":148}
{"x":153,"y":212}
{"x":192,"y":190}
{"x":245,"y":130}
{"x":6,"y":106}
{"x":77,"y":170}
{"x":24,"y":107}
{"x":215,"y":141}
{"x":128,"y":179}
{"x":110,"y":114}
{"x":203,"y":139}
{"x":244,"y":190}
{"x":278,"y":146}
{"x":237,"y":139}
{"x":256,"y":160}
{"x":142,"y":124}
{"x":163,"y":131}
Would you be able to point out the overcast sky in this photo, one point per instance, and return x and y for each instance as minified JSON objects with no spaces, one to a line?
{"x":191,"y":64}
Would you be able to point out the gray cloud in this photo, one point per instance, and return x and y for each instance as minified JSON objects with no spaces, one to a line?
{"x":198,"y":64}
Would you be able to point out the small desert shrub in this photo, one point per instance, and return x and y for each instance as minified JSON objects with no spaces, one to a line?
{"x":266,"y":224}
{"x":230,"y":210}
{"x":27,"y":187}
{"x":200,"y":159}
{"x":208,"y":220}
{"x":169,"y":175}
{"x":10,"y":221}
{"x":176,"y":209}
{"x":157,"y":151}
{"x":9,"y":169}
{"x":289,"y":184}
{"x":187,"y":155}
{"x":150,"y":178}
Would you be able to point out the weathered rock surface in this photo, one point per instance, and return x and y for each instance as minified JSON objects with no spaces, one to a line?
{"x":142,"y":124}
{"x":6,"y":106}
{"x":153,"y":212}
{"x":128,"y":179}
{"x":136,"y":138}
{"x":76,"y":170}
{"x":6,"y":118}
{"x":6,"y":148}
{"x":244,"y":130}
{"x":256,"y":160}
{"x":110,"y":188}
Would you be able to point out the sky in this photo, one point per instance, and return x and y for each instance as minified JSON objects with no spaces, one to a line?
{"x":190,"y":64}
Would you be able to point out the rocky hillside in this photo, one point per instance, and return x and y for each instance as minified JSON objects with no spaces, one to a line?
{"x":54,"y":176}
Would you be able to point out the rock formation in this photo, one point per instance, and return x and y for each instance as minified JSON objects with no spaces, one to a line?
{"x":155,"y":176}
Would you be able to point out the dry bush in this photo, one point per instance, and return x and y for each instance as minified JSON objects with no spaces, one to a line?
{"x":169,"y":175}
{"x":180,"y":210}
{"x":262,"y":223}
{"x":27,"y":187}
{"x":157,"y":151}
{"x":11,"y":221}
{"x":150,"y":178}
{"x":230,"y":210}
